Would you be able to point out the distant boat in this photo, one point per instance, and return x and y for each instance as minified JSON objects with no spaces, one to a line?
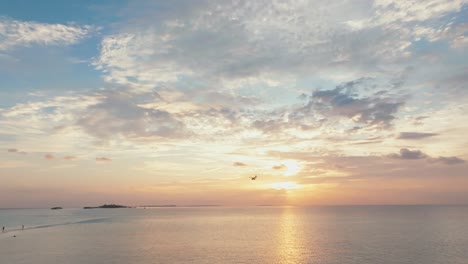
{"x":56,"y":208}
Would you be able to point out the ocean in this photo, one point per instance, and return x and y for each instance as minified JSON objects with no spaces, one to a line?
{"x":325,"y":235}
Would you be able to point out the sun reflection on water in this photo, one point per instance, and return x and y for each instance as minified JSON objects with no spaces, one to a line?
{"x":290,"y":244}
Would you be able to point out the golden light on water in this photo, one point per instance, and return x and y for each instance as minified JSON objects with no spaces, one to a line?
{"x":289,"y":246}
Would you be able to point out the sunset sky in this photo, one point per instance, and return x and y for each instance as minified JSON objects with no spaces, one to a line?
{"x":180,"y":102}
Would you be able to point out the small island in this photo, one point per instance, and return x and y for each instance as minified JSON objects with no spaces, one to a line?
{"x":56,"y":208}
{"x":107,"y":206}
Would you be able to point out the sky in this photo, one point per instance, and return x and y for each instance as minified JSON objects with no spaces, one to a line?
{"x":180,"y":102}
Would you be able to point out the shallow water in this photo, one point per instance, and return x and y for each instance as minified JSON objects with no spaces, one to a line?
{"x":353,"y":234}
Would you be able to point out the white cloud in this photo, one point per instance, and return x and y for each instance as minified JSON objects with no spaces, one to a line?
{"x":269,"y":45}
{"x":129,"y":58}
{"x":388,"y":11}
{"x":259,"y":43}
{"x":34,"y":123}
{"x":14,"y":33}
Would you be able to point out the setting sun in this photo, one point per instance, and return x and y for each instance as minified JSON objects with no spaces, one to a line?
{"x":292,"y":167}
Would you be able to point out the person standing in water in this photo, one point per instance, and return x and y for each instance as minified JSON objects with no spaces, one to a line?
{"x":3,"y":229}
{"x":22,"y":227}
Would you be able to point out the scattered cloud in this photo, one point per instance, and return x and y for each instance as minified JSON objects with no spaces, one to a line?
{"x":279,"y":167}
{"x":448,"y":160}
{"x":116,"y":115}
{"x":343,"y":101}
{"x":265,"y":43}
{"x":70,"y":158}
{"x":270,"y":125}
{"x":415,"y":135}
{"x":103,"y":159}
{"x":418,"y":120}
{"x":419,"y":155}
{"x":409,"y":154}
{"x":49,"y":156}
{"x":16,"y":33}
{"x":391,"y":11}
{"x":14,"y":150}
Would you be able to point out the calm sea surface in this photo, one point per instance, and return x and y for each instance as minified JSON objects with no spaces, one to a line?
{"x":341,"y":235}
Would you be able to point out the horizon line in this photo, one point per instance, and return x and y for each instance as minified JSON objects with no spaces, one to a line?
{"x":257,"y":205}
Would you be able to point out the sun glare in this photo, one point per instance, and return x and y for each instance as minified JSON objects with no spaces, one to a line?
{"x":285,"y":185}
{"x":292,"y":166}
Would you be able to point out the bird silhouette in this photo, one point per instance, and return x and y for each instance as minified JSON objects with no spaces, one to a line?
{"x":253,"y":178}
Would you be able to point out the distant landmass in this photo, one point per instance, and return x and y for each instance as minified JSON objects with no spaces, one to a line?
{"x":106,"y":206}
{"x":160,"y":205}
{"x":56,"y":208}
{"x":173,"y":205}
{"x":148,"y":206}
{"x":201,"y":205}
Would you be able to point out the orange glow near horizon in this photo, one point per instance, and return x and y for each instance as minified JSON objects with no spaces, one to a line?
{"x":285,"y":185}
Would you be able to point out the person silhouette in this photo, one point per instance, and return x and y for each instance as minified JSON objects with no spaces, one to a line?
{"x":3,"y":229}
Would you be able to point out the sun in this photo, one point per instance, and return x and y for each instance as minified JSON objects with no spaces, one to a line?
{"x":292,"y":167}
{"x":285,"y":185}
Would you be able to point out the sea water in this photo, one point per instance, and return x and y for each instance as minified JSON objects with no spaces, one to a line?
{"x":339,"y":234}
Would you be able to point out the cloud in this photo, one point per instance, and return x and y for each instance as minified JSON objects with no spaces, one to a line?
{"x":38,"y":119}
{"x":279,"y":167}
{"x":344,"y":101}
{"x":448,"y":160}
{"x":409,"y":154}
{"x":417,"y":20}
{"x":261,"y":42}
{"x":239,"y":164}
{"x":270,"y":125}
{"x":360,"y":103}
{"x":418,"y":120}
{"x":454,"y":34}
{"x":69,"y":157}
{"x":49,"y":156}
{"x":14,"y":33}
{"x":14,"y":150}
{"x":271,"y":47}
{"x":415,"y":135}
{"x":391,"y":11}
{"x":117,"y":115}
{"x":239,"y":46}
{"x":418,"y":155}
{"x":103,"y":159}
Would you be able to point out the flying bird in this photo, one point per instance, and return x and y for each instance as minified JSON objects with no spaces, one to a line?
{"x":253,"y":178}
